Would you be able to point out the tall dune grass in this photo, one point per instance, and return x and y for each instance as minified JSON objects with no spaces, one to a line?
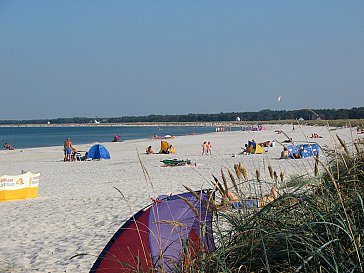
{"x":315,"y":225}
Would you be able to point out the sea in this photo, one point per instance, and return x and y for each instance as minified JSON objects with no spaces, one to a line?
{"x":32,"y":137}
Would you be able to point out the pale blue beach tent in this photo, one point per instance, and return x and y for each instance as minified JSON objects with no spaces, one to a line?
{"x":303,"y":150}
{"x":98,"y":151}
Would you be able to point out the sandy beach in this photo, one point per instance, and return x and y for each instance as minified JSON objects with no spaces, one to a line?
{"x":78,"y":209}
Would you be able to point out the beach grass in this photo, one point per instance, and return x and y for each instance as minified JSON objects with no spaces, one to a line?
{"x":315,"y":225}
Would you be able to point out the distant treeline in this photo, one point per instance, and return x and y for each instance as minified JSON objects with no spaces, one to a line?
{"x":263,"y":115}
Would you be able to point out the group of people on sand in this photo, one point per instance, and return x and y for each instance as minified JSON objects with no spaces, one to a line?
{"x":246,"y":148}
{"x":206,"y":148}
{"x":314,"y":135}
{"x":7,"y":146}
{"x":168,"y":150}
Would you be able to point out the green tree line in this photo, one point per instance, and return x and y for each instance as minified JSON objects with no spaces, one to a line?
{"x":263,"y":115}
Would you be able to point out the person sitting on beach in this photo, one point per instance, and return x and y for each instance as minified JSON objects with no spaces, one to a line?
{"x":284,"y":153}
{"x":85,"y":157}
{"x":8,"y":146}
{"x":67,"y":149}
{"x":165,"y":151}
{"x":246,"y":150}
{"x":169,"y":149}
{"x":74,"y":153}
{"x":296,"y":156}
{"x":116,"y":138}
{"x":149,"y":150}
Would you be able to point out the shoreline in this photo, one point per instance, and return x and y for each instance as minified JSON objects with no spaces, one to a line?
{"x":142,"y":134}
{"x":159,"y":124}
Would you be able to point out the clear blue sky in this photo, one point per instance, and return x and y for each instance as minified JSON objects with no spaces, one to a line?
{"x":114,"y":58}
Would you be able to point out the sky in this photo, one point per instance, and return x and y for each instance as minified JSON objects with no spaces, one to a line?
{"x":104,"y":58}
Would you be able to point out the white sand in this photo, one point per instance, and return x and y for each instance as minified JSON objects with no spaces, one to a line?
{"x":78,"y":209}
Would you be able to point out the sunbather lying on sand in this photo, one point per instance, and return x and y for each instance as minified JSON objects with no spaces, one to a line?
{"x":265,"y":143}
{"x":8,"y":146}
{"x":234,"y":201}
{"x":270,"y":197}
{"x":287,"y":140}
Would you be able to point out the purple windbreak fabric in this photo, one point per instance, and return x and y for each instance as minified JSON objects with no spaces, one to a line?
{"x":170,"y":223}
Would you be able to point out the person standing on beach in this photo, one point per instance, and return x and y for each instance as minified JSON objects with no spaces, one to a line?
{"x":209,"y":148}
{"x":67,"y":149}
{"x":204,"y":148}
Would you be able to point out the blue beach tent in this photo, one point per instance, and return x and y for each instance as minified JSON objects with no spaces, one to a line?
{"x":303,"y":150}
{"x":308,"y":150}
{"x":98,"y":151}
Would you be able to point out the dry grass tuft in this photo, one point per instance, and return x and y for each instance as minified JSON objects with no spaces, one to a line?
{"x":271,"y":173}
{"x":257,"y":175}
{"x":281,"y":176}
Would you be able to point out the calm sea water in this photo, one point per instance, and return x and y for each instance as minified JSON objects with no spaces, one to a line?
{"x":31,"y":137}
